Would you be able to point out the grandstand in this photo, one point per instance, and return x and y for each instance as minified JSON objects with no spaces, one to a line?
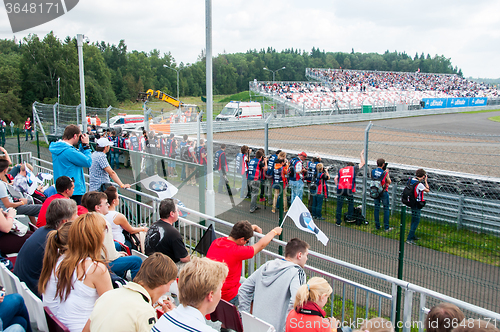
{"x":337,"y":89}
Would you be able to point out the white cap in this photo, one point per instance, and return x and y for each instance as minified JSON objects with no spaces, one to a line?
{"x":104,"y":142}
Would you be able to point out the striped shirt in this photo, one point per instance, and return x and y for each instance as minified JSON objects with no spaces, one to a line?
{"x":182,"y":319}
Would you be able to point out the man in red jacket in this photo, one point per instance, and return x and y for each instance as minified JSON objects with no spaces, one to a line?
{"x":64,"y":187}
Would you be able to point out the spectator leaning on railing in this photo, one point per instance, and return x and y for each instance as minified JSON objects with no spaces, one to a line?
{"x":100,"y":171}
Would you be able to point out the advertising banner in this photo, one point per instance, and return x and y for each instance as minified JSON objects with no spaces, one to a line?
{"x":431,"y":103}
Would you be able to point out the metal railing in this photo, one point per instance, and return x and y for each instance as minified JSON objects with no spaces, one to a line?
{"x":374,"y":301}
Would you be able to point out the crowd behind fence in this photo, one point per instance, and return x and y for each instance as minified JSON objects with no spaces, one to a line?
{"x":350,"y":299}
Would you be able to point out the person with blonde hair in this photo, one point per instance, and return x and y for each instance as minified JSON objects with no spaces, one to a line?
{"x":200,"y":285}
{"x":80,"y":276}
{"x":307,"y":313}
{"x":377,"y":324}
{"x":443,"y":317}
{"x":130,"y":308}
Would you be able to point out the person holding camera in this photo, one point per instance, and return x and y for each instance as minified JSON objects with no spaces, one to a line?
{"x":70,"y":161}
{"x":421,"y":187}
{"x":382,"y":174}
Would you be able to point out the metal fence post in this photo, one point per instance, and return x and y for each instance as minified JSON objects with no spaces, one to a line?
{"x":266,"y":135}
{"x":281,"y":214}
{"x":37,"y":145}
{"x":365,"y":169}
{"x":407,"y":310}
{"x":107,"y":115}
{"x":461,"y":202}
{"x":394,"y":199}
{"x":402,"y":228}
{"x":18,"y":145}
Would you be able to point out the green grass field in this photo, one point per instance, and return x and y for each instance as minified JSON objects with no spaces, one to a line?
{"x":495,"y":118}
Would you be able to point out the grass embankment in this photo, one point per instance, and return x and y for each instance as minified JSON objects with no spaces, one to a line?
{"x":436,"y":235}
{"x":495,"y":118}
{"x":482,"y":111}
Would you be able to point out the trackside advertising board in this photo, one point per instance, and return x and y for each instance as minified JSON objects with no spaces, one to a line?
{"x":431,"y":103}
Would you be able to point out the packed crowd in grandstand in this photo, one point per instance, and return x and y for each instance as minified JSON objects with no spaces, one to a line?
{"x":349,"y":88}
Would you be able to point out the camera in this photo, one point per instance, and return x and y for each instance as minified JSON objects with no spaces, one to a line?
{"x":385,"y":166}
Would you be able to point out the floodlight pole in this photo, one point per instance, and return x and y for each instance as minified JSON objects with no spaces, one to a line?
{"x":274,"y":72}
{"x":79,"y":40}
{"x":210,"y":202}
{"x":177,"y":71}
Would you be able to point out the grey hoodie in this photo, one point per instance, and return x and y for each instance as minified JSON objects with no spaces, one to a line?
{"x":272,"y":287}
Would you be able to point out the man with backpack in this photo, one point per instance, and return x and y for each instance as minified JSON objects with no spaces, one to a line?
{"x":379,"y":192}
{"x":415,"y":200}
{"x":345,"y":181}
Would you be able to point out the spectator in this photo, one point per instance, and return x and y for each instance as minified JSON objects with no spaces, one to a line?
{"x":280,"y":180}
{"x":201,"y":156}
{"x":115,"y":152}
{"x":345,"y":181}
{"x":6,"y":200}
{"x":70,"y":161}
{"x":256,"y":168}
{"x":14,"y":314}
{"x":30,"y":258}
{"x":377,"y":324}
{"x":220,"y":165}
{"x":163,"y":237}
{"x":420,"y":189}
{"x":28,"y":128}
{"x":10,"y":243}
{"x":311,"y":177}
{"x":382,"y":174}
{"x":192,"y":159}
{"x":308,"y":308}
{"x":182,"y":145}
{"x":118,"y":221}
{"x":79,"y":276}
{"x":3,"y":128}
{"x":130,"y":308}
{"x":242,"y":160}
{"x":118,"y":261}
{"x":443,"y":317}
{"x":100,"y":171}
{"x":56,"y":247}
{"x":65,"y":188}
{"x":278,"y":280}
{"x":319,"y":189}
{"x":296,"y":175}
{"x":21,"y":181}
{"x":232,"y":251}
{"x":171,"y":151}
{"x":200,"y":283}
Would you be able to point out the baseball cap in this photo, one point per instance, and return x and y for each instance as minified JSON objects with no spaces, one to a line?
{"x":303,"y":154}
{"x":104,"y":142}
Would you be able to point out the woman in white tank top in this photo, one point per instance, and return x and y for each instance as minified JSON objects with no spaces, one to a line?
{"x":117,"y":220}
{"x":80,"y":276}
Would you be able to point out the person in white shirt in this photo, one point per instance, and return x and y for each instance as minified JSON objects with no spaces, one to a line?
{"x":200,"y":284}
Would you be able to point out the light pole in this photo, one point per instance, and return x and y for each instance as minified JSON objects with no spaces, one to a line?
{"x":79,"y":39}
{"x":177,"y":71}
{"x":274,"y":71}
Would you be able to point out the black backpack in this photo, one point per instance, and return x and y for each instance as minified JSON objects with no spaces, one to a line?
{"x":409,"y":198}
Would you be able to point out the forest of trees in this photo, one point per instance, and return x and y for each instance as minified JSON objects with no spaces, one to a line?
{"x":29,"y":71}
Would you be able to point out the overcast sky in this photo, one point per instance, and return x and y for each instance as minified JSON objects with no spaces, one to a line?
{"x":466,"y":31}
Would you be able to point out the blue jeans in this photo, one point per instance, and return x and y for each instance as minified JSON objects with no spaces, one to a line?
{"x":415,"y":220}
{"x":29,"y":132}
{"x":297,"y":188}
{"x":384,"y":199}
{"x":350,"y":207}
{"x":317,"y":204}
{"x":121,"y":265}
{"x":14,"y":311}
{"x":244,"y":186}
{"x":222,"y":183}
{"x":115,"y":159}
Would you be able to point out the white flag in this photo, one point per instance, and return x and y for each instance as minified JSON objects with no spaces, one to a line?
{"x":303,"y":220}
{"x":161,"y":187}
